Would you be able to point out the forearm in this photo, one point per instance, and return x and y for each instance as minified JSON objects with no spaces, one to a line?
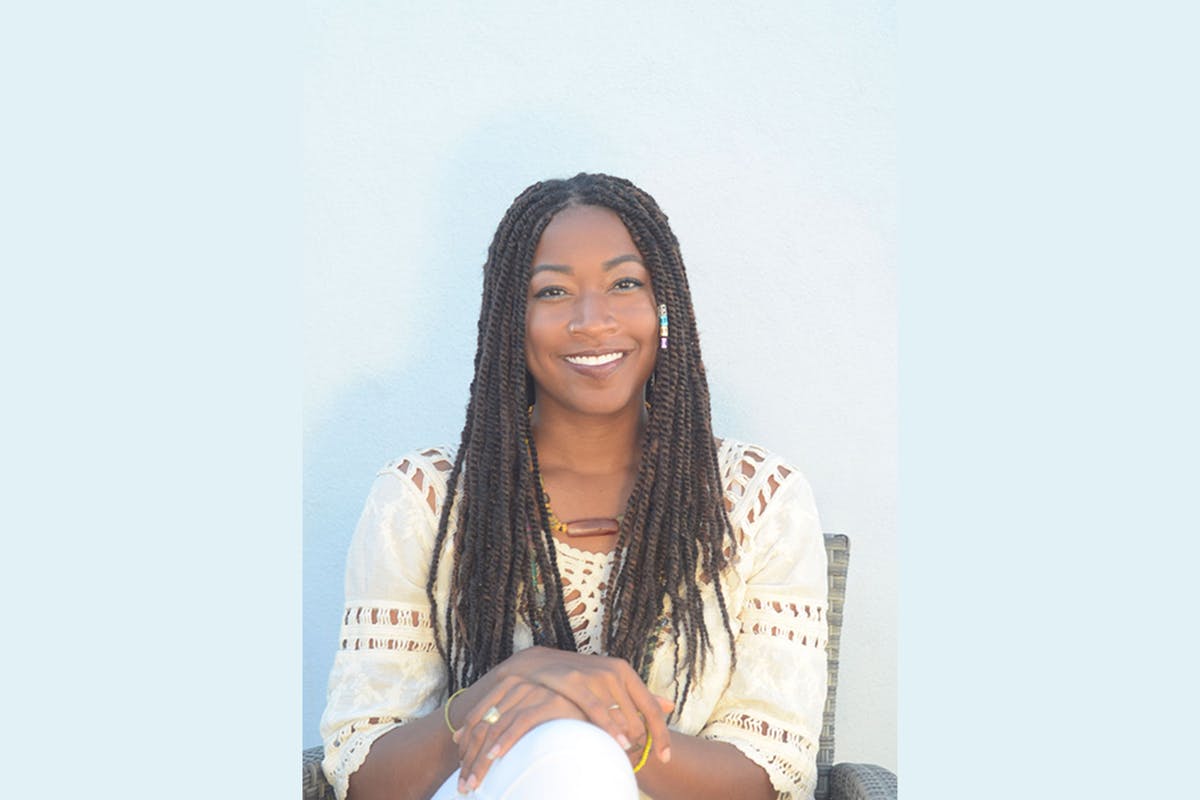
{"x":406,"y":762}
{"x":700,"y":769}
{"x":413,"y":760}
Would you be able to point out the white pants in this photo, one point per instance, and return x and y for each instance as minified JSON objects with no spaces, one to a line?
{"x":561,"y":758}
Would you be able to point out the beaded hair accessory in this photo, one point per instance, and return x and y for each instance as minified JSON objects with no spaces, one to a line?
{"x":662,"y":326}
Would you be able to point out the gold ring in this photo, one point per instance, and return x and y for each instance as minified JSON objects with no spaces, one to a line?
{"x":492,"y":716}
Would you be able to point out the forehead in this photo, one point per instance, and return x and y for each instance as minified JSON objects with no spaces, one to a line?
{"x":582,"y":233}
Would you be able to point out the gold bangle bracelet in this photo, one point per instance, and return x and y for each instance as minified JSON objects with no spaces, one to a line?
{"x":645,"y":753}
{"x":447,"y":709}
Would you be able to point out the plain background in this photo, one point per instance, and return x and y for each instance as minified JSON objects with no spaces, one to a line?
{"x":152,"y":348}
{"x":767,"y":135}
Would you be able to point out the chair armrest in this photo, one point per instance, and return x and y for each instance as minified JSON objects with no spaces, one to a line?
{"x":315,"y":785}
{"x":861,"y":782}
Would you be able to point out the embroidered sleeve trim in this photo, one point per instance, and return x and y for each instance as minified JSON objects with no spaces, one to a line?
{"x":801,"y":622}
{"x":349,"y":747}
{"x":787,"y":773}
{"x":378,"y":627}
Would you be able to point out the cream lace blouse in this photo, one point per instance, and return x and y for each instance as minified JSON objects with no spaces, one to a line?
{"x":388,"y":671}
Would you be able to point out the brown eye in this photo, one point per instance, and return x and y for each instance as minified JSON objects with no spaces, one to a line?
{"x":626,"y":284}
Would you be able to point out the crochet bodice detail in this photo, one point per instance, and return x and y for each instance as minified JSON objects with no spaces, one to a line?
{"x":585,"y":578}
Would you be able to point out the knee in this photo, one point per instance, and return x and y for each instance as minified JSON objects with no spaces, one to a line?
{"x":575,"y":737}
{"x":564,"y":758}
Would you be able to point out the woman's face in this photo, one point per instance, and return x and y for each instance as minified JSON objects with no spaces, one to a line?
{"x":591,"y":324}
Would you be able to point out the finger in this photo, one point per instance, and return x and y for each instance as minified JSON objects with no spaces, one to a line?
{"x":520,"y":724}
{"x":577,"y":687}
{"x":502,"y":687}
{"x":469,"y":743}
{"x":631,"y":723}
{"x":469,"y":738}
{"x":550,"y":706}
{"x":475,"y":747}
{"x":470,"y":730}
{"x":593,"y":684}
{"x":479,"y":757}
{"x":656,"y":726}
{"x":649,"y":707}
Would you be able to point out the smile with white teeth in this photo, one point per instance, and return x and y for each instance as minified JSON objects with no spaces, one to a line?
{"x":594,"y":361}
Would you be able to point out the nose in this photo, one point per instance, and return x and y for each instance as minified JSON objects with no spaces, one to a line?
{"x":591,"y":315}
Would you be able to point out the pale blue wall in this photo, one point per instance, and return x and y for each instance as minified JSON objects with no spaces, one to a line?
{"x":767,"y":134}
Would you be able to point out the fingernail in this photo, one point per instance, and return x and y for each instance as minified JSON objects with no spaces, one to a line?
{"x":493,"y":753}
{"x":462,"y":786}
{"x":666,"y":756}
{"x":624,"y":742}
{"x":472,"y":782}
{"x":457,"y":734}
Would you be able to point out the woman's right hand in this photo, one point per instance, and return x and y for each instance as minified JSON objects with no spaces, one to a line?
{"x":521,"y":706}
{"x":539,"y":684}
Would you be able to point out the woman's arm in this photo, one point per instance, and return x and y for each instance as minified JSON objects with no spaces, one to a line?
{"x":700,"y":769}
{"x":406,"y":763}
{"x":413,"y":760}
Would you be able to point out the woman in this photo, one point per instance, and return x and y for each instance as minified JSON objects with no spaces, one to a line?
{"x":668,"y":637}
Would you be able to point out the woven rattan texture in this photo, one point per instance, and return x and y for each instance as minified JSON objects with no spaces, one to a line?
{"x":315,"y":785}
{"x":861,"y":782}
{"x":837,"y":549}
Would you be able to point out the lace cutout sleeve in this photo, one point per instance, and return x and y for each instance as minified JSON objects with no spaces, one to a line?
{"x":387,"y":670}
{"x":772,"y":707}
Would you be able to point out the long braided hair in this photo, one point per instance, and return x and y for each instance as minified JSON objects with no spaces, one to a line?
{"x":674,"y":534}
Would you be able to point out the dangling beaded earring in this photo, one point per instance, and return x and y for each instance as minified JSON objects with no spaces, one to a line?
{"x":662,"y":326}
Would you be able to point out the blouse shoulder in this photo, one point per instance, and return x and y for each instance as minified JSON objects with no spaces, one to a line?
{"x":426,"y":471}
{"x":754,"y":480}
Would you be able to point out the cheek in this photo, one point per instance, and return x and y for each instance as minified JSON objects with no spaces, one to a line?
{"x":538,"y":334}
{"x":644,"y":321}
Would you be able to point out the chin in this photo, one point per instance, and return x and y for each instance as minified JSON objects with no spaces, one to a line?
{"x":604,"y":406}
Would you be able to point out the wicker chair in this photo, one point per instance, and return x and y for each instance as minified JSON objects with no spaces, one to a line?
{"x":844,"y":781}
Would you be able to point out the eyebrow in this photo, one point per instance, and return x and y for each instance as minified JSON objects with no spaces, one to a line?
{"x":607,"y":265}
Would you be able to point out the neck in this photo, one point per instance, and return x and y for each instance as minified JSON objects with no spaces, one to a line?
{"x":587,"y":444}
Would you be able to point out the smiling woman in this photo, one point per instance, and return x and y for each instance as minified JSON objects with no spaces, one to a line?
{"x":668,"y":638}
